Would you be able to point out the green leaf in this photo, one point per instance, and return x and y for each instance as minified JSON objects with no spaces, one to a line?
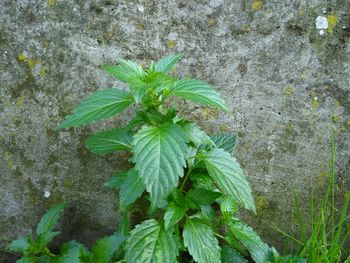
{"x":43,"y":240}
{"x":149,"y":242}
{"x":229,"y":177}
{"x":160,"y":156}
{"x":131,"y":189}
{"x":126,"y":70}
{"x":100,"y":105}
{"x":27,"y":259}
{"x":173,"y":214}
{"x":201,"y":242}
{"x":49,"y":220}
{"x":19,"y":245}
{"x":166,"y":63}
{"x":104,"y":248}
{"x":199,"y":196}
{"x":207,"y":214}
{"x":198,"y":91}
{"x":226,"y":141}
{"x":138,"y":88}
{"x":195,"y":134}
{"x":116,"y":181}
{"x":245,"y":234}
{"x":228,"y":205}
{"x":109,"y":141}
{"x":69,"y":252}
{"x":229,"y":255}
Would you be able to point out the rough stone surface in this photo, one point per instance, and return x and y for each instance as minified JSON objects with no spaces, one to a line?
{"x":280,"y":77}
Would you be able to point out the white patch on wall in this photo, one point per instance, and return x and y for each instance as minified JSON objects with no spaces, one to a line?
{"x":321,"y":24}
{"x":47,"y":193}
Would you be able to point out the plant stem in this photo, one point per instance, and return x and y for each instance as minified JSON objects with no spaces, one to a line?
{"x":177,"y":233}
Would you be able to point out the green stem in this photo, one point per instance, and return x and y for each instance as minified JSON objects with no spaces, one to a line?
{"x":177,"y":233}
{"x":187,"y":175}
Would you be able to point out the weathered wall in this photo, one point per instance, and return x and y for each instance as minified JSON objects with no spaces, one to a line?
{"x":281,"y":79}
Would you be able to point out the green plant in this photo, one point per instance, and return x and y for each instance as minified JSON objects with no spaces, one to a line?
{"x":34,"y":248}
{"x":330,"y":227}
{"x":182,"y":171}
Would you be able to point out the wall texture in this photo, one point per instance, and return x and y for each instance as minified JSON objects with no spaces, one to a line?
{"x":281,"y":77}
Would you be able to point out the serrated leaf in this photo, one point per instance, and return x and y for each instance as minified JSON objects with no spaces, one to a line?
{"x":201,"y":242}
{"x":104,"y":248}
{"x":229,"y":255}
{"x":138,"y":88}
{"x":43,"y":240}
{"x":229,"y":177}
{"x":118,"y":139}
{"x":199,"y":196}
{"x":116,"y":181}
{"x":245,"y":234}
{"x":207,"y":214}
{"x":49,"y":220}
{"x":228,"y":205}
{"x":150,"y":243}
{"x":131,"y":189}
{"x":199,"y":92}
{"x":226,"y":141}
{"x":160,"y":156}
{"x":126,"y":70}
{"x":19,"y":245}
{"x":167,"y":62}
{"x":173,"y":214}
{"x":69,"y":252}
{"x":195,"y":134}
{"x":100,"y":105}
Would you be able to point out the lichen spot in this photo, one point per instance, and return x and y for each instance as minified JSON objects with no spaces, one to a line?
{"x":212,"y":22}
{"x":332,"y":22}
{"x":288,"y":91}
{"x":20,"y":101}
{"x":257,"y":5}
{"x":51,"y":2}
{"x":171,"y":44}
{"x":42,"y":72}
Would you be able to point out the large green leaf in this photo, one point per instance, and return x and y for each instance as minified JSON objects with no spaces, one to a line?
{"x":201,"y":242}
{"x":198,"y":91}
{"x":116,"y":181}
{"x":167,"y":62}
{"x":117,"y":139}
{"x":149,"y":242}
{"x":173,"y":214}
{"x":131,"y":189}
{"x":256,"y":247}
{"x":229,"y":177}
{"x":49,"y":220}
{"x":100,"y":105}
{"x":125,"y":70}
{"x":104,"y":248}
{"x":199,"y":196}
{"x":229,"y":255}
{"x":226,"y":141}
{"x":160,"y":156}
{"x":19,"y":245}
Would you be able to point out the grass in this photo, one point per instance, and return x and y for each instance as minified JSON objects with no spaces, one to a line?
{"x":322,"y":236}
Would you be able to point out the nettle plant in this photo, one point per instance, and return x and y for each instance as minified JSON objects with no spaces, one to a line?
{"x":192,"y":182}
{"x":183,"y":171}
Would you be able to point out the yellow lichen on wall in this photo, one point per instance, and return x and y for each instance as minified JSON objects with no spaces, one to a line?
{"x":20,"y":101}
{"x":51,"y":2}
{"x":257,"y":5}
{"x":332,"y":22}
{"x":288,"y":91}
{"x":170,"y":44}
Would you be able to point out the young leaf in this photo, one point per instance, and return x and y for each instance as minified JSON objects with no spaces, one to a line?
{"x":226,"y":141}
{"x":49,"y":220}
{"x":131,"y":189}
{"x":109,"y":141}
{"x":127,"y":69}
{"x":245,"y":234}
{"x":201,"y":242}
{"x":229,"y":177}
{"x":149,"y":242}
{"x":43,"y":240}
{"x":166,"y":63}
{"x":198,"y":91}
{"x":173,"y":214}
{"x":199,"y":196}
{"x":116,"y":181}
{"x":69,"y":252}
{"x":100,"y":105}
{"x":229,"y":255}
{"x":19,"y":245}
{"x":228,"y":205}
{"x":160,"y":155}
{"x":195,"y":134}
{"x":104,"y":248}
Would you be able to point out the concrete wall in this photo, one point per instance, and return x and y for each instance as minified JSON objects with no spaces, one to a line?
{"x":281,"y":77}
